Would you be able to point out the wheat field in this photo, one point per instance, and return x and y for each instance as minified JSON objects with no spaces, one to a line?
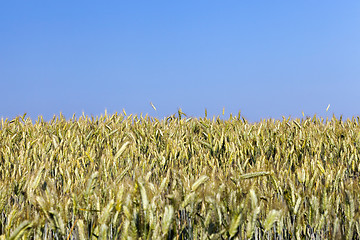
{"x":119,"y":176}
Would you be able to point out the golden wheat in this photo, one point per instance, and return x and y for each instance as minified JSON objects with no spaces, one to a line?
{"x":128,"y":177}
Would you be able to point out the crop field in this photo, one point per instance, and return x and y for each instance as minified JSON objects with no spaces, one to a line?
{"x":123,"y":176}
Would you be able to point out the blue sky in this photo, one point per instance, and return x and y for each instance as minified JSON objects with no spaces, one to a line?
{"x":263,"y":58}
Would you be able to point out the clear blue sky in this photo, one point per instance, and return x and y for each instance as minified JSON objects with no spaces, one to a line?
{"x":264,"y":58}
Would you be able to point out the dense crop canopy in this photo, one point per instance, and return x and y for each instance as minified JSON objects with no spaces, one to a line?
{"x":121,"y":177}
